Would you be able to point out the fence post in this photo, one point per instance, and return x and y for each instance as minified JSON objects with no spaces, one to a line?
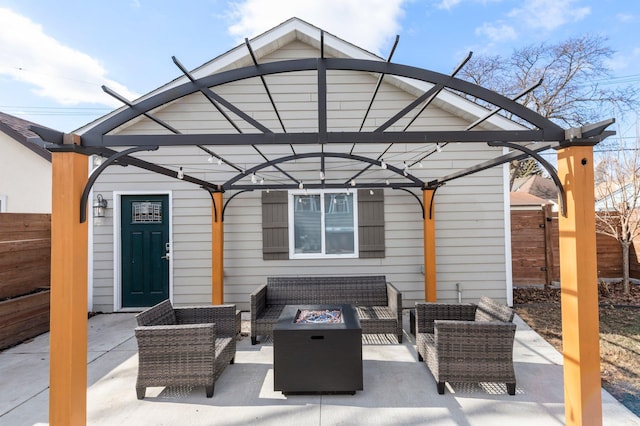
{"x":548,"y":243}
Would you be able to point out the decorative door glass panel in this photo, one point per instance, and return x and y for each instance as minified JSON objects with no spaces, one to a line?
{"x":146,"y":212}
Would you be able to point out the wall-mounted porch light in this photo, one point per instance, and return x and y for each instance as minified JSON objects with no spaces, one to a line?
{"x":99,"y":206}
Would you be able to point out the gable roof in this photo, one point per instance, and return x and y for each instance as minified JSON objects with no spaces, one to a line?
{"x":18,"y":130}
{"x":297,"y":29}
{"x":536,"y":185}
{"x":526,"y":199}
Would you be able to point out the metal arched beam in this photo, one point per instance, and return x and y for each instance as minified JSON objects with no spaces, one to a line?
{"x":547,"y":166}
{"x":98,"y":170}
{"x":231,"y":198}
{"x":213,"y":202}
{"x":416,"y":197}
{"x":229,"y":184}
{"x":97,"y":136}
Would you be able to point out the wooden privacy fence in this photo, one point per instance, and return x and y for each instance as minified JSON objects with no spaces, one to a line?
{"x":536,"y":256}
{"x":25,"y":274}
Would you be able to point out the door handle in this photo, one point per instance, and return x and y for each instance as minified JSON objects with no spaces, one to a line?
{"x":167,"y":249}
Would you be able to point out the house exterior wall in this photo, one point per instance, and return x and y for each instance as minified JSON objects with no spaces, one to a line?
{"x":470,"y":212}
{"x":25,"y":179}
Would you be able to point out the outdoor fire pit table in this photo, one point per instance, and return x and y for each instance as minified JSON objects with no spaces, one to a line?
{"x":317,"y":349}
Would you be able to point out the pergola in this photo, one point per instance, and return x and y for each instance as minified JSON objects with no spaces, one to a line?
{"x":531,"y":134}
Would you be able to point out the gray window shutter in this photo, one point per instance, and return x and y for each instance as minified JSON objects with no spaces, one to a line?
{"x":275,"y":233}
{"x":371,"y":223}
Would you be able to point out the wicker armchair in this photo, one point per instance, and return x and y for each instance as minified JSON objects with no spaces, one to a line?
{"x":184,"y":346}
{"x":467,"y":342}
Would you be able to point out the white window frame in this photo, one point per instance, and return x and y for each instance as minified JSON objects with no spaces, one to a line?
{"x":3,"y":203}
{"x":322,"y":254}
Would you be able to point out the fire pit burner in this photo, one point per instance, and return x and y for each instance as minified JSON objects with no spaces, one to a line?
{"x":321,"y":316}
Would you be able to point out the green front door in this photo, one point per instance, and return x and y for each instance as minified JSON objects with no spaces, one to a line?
{"x":145,"y":249}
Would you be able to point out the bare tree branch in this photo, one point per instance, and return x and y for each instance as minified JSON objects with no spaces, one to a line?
{"x":618,"y":200}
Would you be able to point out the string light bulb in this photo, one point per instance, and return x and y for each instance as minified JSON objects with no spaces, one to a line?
{"x":300,"y":185}
{"x":219,"y":161}
{"x":210,"y":159}
{"x":383,"y":165}
{"x":253,"y":178}
{"x":180,"y":174}
{"x":353,"y":182}
{"x":438,"y":147}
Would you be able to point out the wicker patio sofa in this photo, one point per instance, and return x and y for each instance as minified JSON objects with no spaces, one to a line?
{"x":378,"y":303}
{"x":467,"y":343}
{"x":184,"y":346}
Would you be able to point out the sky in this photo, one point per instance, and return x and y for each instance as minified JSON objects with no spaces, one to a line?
{"x":56,"y":54}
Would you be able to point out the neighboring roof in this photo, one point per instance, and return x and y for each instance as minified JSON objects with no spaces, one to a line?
{"x":525,"y":199}
{"x":536,"y":185}
{"x":18,"y":129}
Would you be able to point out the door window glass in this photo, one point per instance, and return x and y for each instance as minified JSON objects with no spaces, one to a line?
{"x":146,"y":212}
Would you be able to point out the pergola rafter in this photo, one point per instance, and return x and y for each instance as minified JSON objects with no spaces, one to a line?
{"x":539,"y":130}
{"x":542,"y":128}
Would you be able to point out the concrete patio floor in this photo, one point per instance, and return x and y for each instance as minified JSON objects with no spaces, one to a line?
{"x":397,"y":389}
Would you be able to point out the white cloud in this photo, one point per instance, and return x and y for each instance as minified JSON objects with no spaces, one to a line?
{"x":626,"y":18}
{"x":56,"y":71}
{"x":548,"y":14}
{"x":497,"y":32}
{"x":448,"y":4}
{"x":367,"y":23}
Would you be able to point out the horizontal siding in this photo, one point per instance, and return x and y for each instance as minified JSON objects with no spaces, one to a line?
{"x":473,"y":256}
{"x":469,"y":211}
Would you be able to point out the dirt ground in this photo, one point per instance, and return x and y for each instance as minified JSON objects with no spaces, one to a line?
{"x":619,"y":333}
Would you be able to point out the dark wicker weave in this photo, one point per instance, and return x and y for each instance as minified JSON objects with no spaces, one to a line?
{"x":467,"y":343}
{"x":184,"y":346}
{"x":378,"y":303}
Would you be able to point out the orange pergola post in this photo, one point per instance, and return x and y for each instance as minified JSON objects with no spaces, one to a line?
{"x":579,"y":290}
{"x":217,"y":250}
{"x":429,"y":246}
{"x":68,"y":317}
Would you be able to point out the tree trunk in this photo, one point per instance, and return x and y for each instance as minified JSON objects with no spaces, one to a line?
{"x":625,"y":266}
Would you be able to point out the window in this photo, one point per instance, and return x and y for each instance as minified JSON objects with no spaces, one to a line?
{"x":324,"y":224}
{"x":277,"y":219}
